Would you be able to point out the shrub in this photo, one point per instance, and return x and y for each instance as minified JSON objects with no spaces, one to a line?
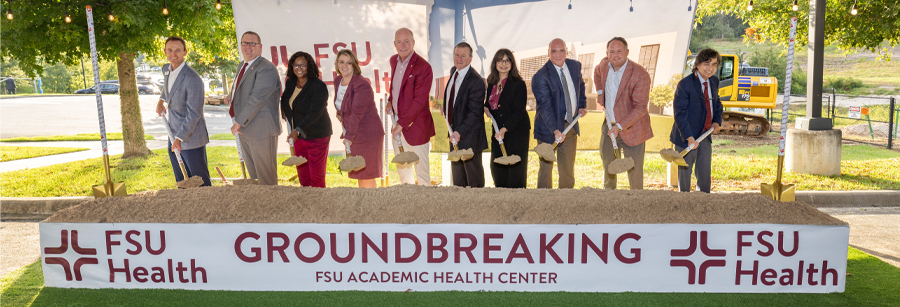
{"x":843,"y":84}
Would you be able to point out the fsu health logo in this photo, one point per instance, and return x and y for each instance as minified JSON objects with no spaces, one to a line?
{"x":697,"y":274}
{"x":71,"y":268}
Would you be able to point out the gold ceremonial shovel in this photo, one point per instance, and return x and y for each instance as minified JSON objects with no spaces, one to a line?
{"x":404,"y":157}
{"x":618,"y":165}
{"x":504,"y":160}
{"x":456,"y":154}
{"x":777,"y":190}
{"x":109,"y":188}
{"x":294,"y":160}
{"x":547,"y":151}
{"x":187,"y":182}
{"x":673,"y":156}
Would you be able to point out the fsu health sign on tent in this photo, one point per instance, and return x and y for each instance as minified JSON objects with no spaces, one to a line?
{"x":395,"y":257}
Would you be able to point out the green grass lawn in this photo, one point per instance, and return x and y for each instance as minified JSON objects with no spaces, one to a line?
{"x":10,"y":153}
{"x":112,"y":136}
{"x":870,"y":282}
{"x":739,"y":169}
{"x":222,"y":136}
{"x":152,"y":173}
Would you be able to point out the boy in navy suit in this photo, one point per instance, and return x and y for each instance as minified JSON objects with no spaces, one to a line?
{"x":697,"y":110}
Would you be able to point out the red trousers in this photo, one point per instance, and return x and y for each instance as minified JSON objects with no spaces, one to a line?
{"x":312,"y":173}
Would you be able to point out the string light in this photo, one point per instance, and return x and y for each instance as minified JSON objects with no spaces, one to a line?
{"x":750,"y":6}
{"x":110,"y":15}
{"x":165,"y":9}
{"x":219,"y":4}
{"x":68,"y":19}
{"x":9,"y":13}
{"x":631,"y":6}
{"x":796,"y":6}
{"x":853,"y":10}
{"x":689,"y":5}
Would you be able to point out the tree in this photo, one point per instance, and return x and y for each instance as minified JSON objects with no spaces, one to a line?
{"x":662,"y":95}
{"x":877,"y":22}
{"x":39,"y":33}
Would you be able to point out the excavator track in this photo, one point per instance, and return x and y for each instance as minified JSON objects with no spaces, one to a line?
{"x":747,"y":124}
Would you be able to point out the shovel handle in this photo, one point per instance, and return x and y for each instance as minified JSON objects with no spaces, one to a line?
{"x":172,"y":139}
{"x":497,"y":130}
{"x":698,"y":140}
{"x":572,"y":124}
{"x":237,"y":139}
{"x":449,"y":129}
{"x":566,"y":131}
{"x":615,"y":145}
{"x":397,"y":136}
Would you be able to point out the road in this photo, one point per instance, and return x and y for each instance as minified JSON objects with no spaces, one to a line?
{"x":37,"y":116}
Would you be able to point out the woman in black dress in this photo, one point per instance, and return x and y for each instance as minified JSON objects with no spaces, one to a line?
{"x":506,"y":100}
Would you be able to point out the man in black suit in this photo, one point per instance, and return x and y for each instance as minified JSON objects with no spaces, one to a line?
{"x":463,"y":107}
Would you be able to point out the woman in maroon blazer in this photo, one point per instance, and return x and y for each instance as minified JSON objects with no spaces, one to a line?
{"x":355,"y":105}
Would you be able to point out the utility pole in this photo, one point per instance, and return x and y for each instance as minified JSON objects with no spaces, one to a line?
{"x":815,"y":67}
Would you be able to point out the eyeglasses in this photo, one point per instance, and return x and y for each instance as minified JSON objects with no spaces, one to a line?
{"x":295,"y":66}
{"x":250,"y":44}
{"x":504,"y":61}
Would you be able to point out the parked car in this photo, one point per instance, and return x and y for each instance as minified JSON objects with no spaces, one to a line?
{"x":143,"y":89}
{"x":105,"y":88}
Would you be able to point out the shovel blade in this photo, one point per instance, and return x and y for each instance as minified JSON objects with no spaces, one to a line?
{"x":778,"y":191}
{"x":546,"y":152}
{"x":508,"y":160}
{"x":294,"y":161}
{"x":116,"y":189}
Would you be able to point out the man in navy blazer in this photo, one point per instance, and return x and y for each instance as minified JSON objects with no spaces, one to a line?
{"x":463,"y":106}
{"x":559,"y":92}
{"x":183,"y":91}
{"x":697,"y":110}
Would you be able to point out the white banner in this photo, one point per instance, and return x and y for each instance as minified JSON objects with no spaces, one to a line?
{"x":439,"y":257}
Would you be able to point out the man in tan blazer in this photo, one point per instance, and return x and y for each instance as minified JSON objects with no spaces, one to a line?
{"x":255,"y":103}
{"x":623,"y":89}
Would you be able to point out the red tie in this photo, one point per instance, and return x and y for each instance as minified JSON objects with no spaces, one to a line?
{"x":452,"y":96}
{"x":708,"y":123}
{"x":233,"y":90}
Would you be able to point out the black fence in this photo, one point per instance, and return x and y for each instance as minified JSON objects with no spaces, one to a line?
{"x":863,"y":119}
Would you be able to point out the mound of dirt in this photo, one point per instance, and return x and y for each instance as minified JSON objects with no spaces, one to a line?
{"x":409,"y":204}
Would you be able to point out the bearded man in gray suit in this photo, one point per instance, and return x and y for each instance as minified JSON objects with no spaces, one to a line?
{"x":255,"y":103}
{"x":183,"y":90}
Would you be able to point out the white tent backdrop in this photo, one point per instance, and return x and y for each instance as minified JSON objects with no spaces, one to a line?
{"x":658,"y":33}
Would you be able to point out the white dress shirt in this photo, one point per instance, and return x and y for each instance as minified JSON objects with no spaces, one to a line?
{"x":572,"y":96}
{"x":610,"y":90}
{"x":397,"y":81}
{"x":233,"y":85}
{"x":458,"y":82}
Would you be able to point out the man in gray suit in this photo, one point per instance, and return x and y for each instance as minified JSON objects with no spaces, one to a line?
{"x":254,"y":102}
{"x":183,"y":90}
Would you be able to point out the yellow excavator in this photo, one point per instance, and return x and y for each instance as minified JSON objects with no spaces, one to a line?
{"x":742,"y":86}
